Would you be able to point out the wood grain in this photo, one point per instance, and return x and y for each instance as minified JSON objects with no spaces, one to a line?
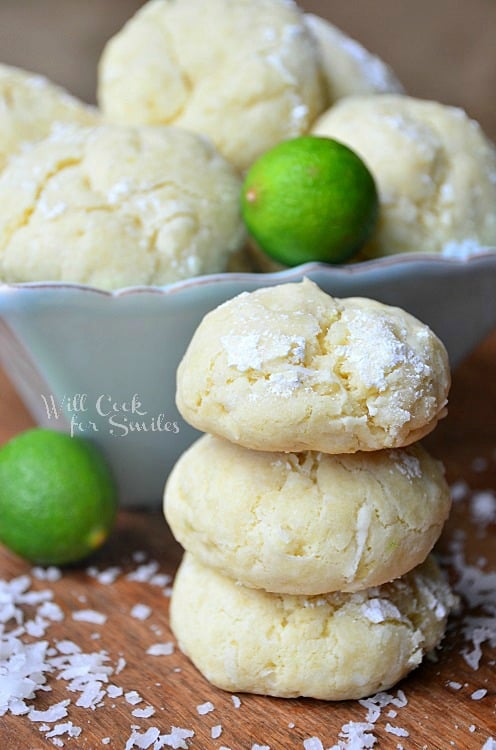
{"x":437,"y":716}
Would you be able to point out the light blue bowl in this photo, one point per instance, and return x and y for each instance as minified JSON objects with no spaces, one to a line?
{"x":103,"y":363}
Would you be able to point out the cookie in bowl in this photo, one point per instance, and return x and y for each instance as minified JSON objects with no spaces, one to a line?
{"x":349,"y":68}
{"x":30,"y":105}
{"x":434,"y":168}
{"x":245,"y":73}
{"x":115,"y":206}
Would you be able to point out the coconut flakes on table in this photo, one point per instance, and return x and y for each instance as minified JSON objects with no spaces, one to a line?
{"x":143,"y":713}
{"x":91,"y":696}
{"x":142,"y":741}
{"x":216,"y":731}
{"x":455,"y":685}
{"x":67,"y":728}
{"x":133,"y":697}
{"x":477,"y":695}
{"x":51,"y":573}
{"x":478,"y":588}
{"x":107,"y":577}
{"x":141,"y":611}
{"x":205,"y":708}
{"x":483,"y":507}
{"x":177,"y":739}
{"x":52,"y":713}
{"x":144,"y":573}
{"x":23,"y":668}
{"x":398,"y":731}
{"x":355,"y":735}
{"x":313,"y":743}
{"x":114,"y":691}
{"x":89,"y":615}
{"x":161,"y":649}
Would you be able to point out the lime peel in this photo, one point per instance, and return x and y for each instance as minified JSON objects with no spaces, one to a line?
{"x":310,"y":198}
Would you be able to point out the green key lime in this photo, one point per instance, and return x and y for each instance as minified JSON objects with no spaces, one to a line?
{"x":58,"y":499}
{"x":310,"y":199}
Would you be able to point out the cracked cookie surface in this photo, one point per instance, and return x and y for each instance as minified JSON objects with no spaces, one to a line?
{"x":306,"y":523}
{"x":114,"y":206}
{"x":289,"y":368}
{"x":245,"y":73}
{"x":30,"y":104}
{"x":331,"y":647}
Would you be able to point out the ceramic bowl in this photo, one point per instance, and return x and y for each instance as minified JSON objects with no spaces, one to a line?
{"x":102,"y":364}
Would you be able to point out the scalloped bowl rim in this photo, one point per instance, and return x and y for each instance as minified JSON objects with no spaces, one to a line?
{"x":285,"y":275}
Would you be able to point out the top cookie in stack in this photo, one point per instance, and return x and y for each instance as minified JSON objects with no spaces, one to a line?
{"x":290,"y":368}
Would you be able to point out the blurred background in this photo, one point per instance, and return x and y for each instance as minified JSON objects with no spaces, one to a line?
{"x":440,"y":49}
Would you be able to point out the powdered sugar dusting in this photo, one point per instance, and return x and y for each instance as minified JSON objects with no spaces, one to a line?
{"x":406,"y":463}
{"x":374,"y":349}
{"x":252,"y":352}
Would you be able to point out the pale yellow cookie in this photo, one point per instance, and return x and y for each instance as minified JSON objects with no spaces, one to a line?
{"x":434,"y":168}
{"x":115,"y":206}
{"x":30,"y":105}
{"x":306,"y":523}
{"x":245,"y":72}
{"x":332,"y":647}
{"x":289,"y":368}
{"x":349,"y":68}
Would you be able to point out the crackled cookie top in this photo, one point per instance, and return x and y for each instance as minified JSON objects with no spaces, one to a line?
{"x":289,"y":368}
{"x":30,"y":105}
{"x":245,"y":73}
{"x":434,"y":167}
{"x":306,"y":523}
{"x":116,"y":206}
{"x":333,"y":647}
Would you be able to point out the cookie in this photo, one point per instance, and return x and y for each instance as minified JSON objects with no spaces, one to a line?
{"x":306,"y":523}
{"x":245,"y":73}
{"x":30,"y":105}
{"x":332,"y":647}
{"x":118,"y":206}
{"x":349,"y":69}
{"x":434,"y":170}
{"x":289,"y":368}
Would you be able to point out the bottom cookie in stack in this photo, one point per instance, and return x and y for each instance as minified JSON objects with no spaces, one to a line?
{"x":333,"y":646}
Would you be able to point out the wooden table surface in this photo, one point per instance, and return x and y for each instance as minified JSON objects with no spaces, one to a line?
{"x":442,"y":712}
{"x":442,"y":50}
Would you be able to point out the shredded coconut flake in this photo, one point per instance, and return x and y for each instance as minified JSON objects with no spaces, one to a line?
{"x":161,"y":649}
{"x":141,"y":611}
{"x":477,"y":695}
{"x":216,"y":731}
{"x":205,"y":708}
{"x":398,"y":731}
{"x":143,"y":713}
{"x":313,"y":743}
{"x":176,"y":739}
{"x":89,"y":615}
{"x":133,"y":697}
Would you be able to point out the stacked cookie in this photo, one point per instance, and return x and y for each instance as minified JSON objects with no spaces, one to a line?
{"x":307,"y":522}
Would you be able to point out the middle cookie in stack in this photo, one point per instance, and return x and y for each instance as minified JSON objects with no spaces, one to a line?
{"x":301,"y":382}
